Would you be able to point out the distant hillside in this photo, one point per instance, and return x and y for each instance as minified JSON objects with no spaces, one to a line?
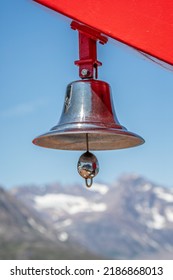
{"x":130,"y":219}
{"x":24,"y":234}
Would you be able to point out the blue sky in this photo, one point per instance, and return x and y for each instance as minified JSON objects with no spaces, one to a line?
{"x":37,"y":54}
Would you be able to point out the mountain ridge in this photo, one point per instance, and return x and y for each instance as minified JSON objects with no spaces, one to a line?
{"x":132,"y":218}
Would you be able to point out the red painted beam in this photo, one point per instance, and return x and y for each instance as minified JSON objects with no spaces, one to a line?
{"x":144,"y":25}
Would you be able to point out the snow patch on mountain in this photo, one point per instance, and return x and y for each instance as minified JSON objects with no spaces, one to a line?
{"x":164,"y":195}
{"x":101,"y":188}
{"x":169,"y":214}
{"x":158,"y":221}
{"x":146,"y":187}
{"x":70,"y":204}
{"x":64,"y":223}
{"x":36,"y":226}
{"x":63,"y":236}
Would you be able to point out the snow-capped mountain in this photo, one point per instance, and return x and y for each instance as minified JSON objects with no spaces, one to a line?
{"x":129,"y":219}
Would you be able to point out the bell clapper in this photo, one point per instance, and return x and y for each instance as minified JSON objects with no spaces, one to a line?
{"x":88,"y":166}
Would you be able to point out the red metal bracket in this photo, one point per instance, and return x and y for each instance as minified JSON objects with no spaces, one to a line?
{"x":88,"y":38}
{"x":145,"y":25}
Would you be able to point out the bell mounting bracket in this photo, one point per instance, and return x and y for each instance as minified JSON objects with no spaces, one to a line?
{"x":88,"y":37}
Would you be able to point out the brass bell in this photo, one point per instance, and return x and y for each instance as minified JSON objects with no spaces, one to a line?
{"x":88,"y":109}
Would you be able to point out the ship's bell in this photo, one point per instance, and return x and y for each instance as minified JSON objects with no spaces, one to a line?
{"x":88,"y":110}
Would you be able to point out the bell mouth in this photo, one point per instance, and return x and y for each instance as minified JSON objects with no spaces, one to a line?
{"x":99,"y":139}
